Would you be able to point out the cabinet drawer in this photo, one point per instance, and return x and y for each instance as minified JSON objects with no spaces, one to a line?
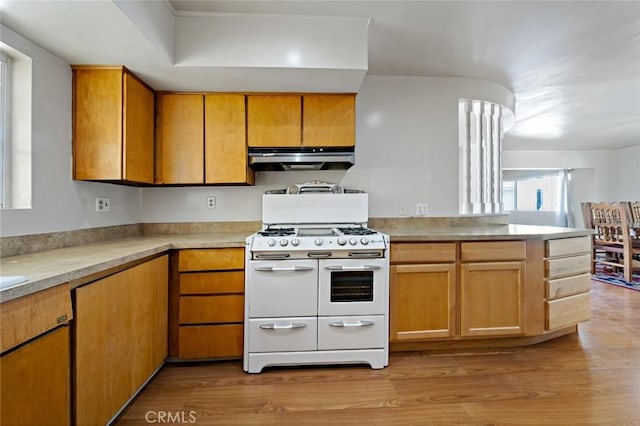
{"x":423,"y":252}
{"x":210,"y":341}
{"x":567,"y":246}
{"x":565,"y":266}
{"x":208,"y":309}
{"x":283,"y":334}
{"x":494,"y":250}
{"x":351,"y":332}
{"x":29,"y":316}
{"x":568,"y":311}
{"x":212,"y":282}
{"x":568,"y":286}
{"x":211,"y":259}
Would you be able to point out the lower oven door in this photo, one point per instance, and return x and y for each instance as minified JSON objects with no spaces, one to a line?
{"x":349,"y":332}
{"x":282,"y":288}
{"x":353,"y":286}
{"x":283,"y":334}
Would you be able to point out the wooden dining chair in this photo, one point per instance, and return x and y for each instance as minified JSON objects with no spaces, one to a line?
{"x":634,"y":210}
{"x":612,"y":242}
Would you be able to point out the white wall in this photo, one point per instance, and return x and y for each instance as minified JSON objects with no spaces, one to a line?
{"x":627,"y":165}
{"x":406,"y":153}
{"x":58,"y":203}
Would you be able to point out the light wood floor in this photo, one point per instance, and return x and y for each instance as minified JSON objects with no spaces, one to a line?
{"x":588,"y":378}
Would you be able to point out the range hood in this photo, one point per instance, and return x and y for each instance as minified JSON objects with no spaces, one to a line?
{"x":301,"y":158}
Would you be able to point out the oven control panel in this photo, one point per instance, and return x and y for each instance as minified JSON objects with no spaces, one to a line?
{"x":293,"y":243}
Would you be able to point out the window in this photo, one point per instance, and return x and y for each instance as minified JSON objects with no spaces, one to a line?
{"x":481,"y":127}
{"x":533,"y":191}
{"x":4,"y":122}
{"x":15,"y":127}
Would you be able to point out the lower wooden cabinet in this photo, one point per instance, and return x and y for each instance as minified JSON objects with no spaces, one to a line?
{"x":35,"y":382}
{"x":422,"y":300}
{"x":207,"y":300}
{"x":422,"y":293}
{"x":492,"y":299}
{"x":120,"y":338}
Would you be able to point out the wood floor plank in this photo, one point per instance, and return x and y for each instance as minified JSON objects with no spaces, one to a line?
{"x":586,"y":378}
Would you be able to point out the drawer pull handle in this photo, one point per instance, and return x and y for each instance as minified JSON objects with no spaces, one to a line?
{"x":274,"y":326}
{"x":283,"y":269}
{"x":358,"y":324}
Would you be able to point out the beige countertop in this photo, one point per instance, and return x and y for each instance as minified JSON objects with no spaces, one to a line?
{"x":49,"y":268}
{"x":476,"y":233}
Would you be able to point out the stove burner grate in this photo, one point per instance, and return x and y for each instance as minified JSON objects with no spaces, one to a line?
{"x":356,"y":231}
{"x":277,"y":232}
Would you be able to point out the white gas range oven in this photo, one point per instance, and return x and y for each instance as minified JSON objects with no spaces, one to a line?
{"x":316,"y":281}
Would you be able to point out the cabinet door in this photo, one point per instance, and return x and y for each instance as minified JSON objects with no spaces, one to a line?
{"x":328,"y":120}
{"x":492,"y":298}
{"x":120,"y":338}
{"x":225,"y":140}
{"x":34,"y":382}
{"x":422,"y":301}
{"x":179,"y":139}
{"x":274,"y":120}
{"x":97,"y":124}
{"x":137,"y":133}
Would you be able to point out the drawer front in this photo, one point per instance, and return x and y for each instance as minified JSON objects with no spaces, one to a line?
{"x":565,"y":266}
{"x":567,"y":246}
{"x":562,"y":287}
{"x":29,"y":316}
{"x":212,"y":282}
{"x":423,"y":252}
{"x":283,"y":334}
{"x":210,"y":259}
{"x":353,"y":332}
{"x":492,"y":250}
{"x":568,"y":311}
{"x":209,"y":309}
{"x":210,"y":341}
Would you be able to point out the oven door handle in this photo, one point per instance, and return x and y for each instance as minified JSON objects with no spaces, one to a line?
{"x":361,"y":323}
{"x":290,"y":326}
{"x":283,"y":269}
{"x":353,"y":268}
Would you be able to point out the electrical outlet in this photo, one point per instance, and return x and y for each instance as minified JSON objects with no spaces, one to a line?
{"x":103,"y":205}
{"x":422,"y":209}
{"x":211,"y":202}
{"x":402,"y":210}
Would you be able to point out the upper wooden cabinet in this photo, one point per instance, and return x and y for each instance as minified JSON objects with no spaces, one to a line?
{"x":225,"y":143}
{"x":179,"y":139}
{"x":274,"y":120}
{"x":200,"y":139}
{"x":329,"y":120}
{"x":112,"y":125}
{"x":293,"y":120}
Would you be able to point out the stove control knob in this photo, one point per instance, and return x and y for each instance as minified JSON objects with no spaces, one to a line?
{"x":342,"y":241}
{"x":364,"y":241}
{"x":283,"y":243}
{"x":353,"y":241}
{"x":271,"y":242}
{"x":318,"y":242}
{"x":295,"y":242}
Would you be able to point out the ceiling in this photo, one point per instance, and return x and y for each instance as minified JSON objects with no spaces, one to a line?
{"x":574,"y":66}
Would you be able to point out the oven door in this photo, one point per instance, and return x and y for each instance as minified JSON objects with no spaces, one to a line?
{"x":353,"y":286}
{"x":282,"y":288}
